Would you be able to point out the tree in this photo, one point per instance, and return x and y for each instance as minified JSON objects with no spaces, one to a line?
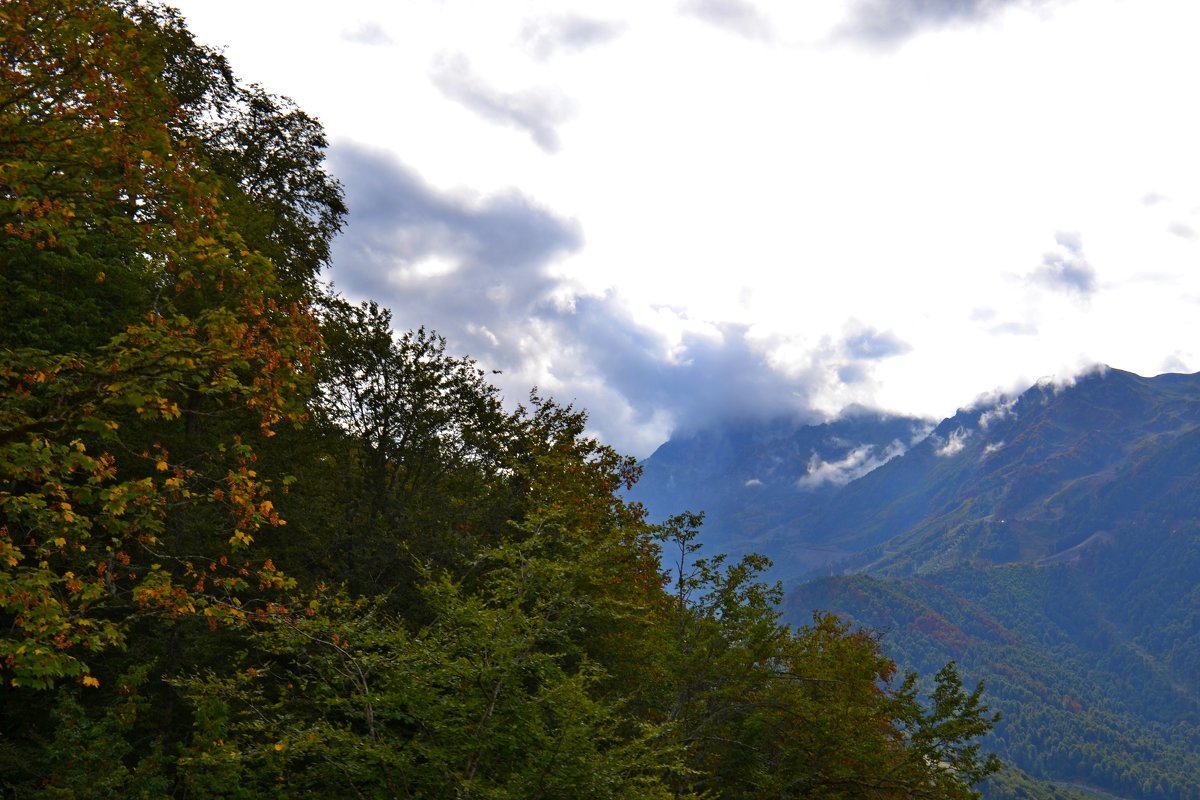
{"x":100,"y":182}
{"x":404,"y":457}
{"x":763,"y":711}
{"x":488,"y":699}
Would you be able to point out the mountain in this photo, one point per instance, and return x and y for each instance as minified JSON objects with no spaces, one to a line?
{"x":1047,"y":475}
{"x":1043,"y":477}
{"x":1093,"y":665}
{"x":1049,"y":542}
{"x":753,"y":479}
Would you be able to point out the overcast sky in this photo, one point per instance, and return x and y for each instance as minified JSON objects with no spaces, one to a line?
{"x":673,"y":212}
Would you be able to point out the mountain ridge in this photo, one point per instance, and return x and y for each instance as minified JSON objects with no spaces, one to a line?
{"x":999,"y":481}
{"x":1048,"y":541}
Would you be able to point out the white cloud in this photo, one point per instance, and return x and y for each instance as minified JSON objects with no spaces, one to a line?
{"x":1067,"y":378}
{"x":782,"y":188}
{"x":887,"y":23}
{"x":1001,"y":408}
{"x":1066,"y":268}
{"x":858,"y":462}
{"x":921,"y":432}
{"x":546,"y":37}
{"x":954,"y":444}
{"x":737,"y":16}
{"x":368,"y":33}
{"x":538,"y":112}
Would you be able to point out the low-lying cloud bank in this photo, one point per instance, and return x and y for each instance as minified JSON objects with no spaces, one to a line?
{"x":858,"y":462}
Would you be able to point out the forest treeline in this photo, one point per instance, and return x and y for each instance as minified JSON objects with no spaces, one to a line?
{"x":1078,"y":703}
{"x":253,"y":543}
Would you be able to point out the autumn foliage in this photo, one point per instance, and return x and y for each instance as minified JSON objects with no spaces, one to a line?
{"x":100,"y":184}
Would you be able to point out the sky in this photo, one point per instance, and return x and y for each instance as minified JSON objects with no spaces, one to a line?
{"x":674,"y":213}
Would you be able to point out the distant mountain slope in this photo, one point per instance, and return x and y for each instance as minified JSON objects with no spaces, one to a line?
{"x":1052,"y":548}
{"x":753,"y":477}
{"x":1042,"y":476}
{"x":1049,"y":542}
{"x":1094,"y":665}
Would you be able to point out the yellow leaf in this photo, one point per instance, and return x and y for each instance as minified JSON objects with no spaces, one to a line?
{"x":279,"y":745}
{"x":88,"y":680}
{"x":161,"y":465}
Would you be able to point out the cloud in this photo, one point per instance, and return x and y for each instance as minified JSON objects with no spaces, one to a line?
{"x":888,"y":23}
{"x":1014,"y":329}
{"x":537,"y":112}
{"x":703,"y":374}
{"x":851,"y":374}
{"x":1182,"y":230}
{"x":953,"y":445}
{"x":569,"y":33}
{"x":488,"y":274}
{"x":706,"y":374}
{"x":858,"y":462}
{"x":1001,"y":408}
{"x":368,"y":33}
{"x":1009,"y":328}
{"x":736,"y":16}
{"x":1174,"y":363}
{"x":870,"y":344}
{"x":1068,"y":377}
{"x":1066,"y":269}
{"x":477,"y":263}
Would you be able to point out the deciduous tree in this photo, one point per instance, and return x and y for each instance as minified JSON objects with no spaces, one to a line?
{"x":101,"y":182}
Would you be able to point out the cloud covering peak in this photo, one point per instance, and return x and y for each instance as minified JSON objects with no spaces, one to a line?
{"x":488,"y":273}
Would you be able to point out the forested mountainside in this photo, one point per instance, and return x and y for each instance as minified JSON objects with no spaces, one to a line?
{"x":1038,"y":478}
{"x":254,"y":543}
{"x":1093,"y":671}
{"x":753,"y":480}
{"x":1048,"y":542}
{"x":1023,"y":478}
